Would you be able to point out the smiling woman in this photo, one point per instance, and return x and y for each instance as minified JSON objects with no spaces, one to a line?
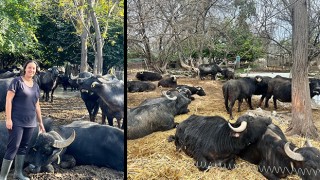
{"x":22,"y":110}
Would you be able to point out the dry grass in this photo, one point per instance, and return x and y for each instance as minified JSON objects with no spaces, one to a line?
{"x":153,"y":157}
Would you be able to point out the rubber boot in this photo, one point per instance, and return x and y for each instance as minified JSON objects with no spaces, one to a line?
{"x":5,"y":168}
{"x":18,"y":166}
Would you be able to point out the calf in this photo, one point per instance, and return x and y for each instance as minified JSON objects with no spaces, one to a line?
{"x":212,"y":141}
{"x":239,"y":89}
{"x":140,"y":86}
{"x":168,"y":82}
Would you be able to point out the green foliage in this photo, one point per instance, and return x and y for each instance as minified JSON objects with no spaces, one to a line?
{"x":18,"y":22}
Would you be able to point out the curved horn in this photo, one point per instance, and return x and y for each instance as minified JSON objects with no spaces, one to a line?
{"x":170,"y":98}
{"x":291,"y":154}
{"x":64,"y":143}
{"x":239,"y":129}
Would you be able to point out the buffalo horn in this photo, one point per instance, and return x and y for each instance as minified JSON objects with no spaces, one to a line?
{"x":239,"y":129}
{"x":94,"y":84}
{"x":64,"y":143}
{"x":170,"y":98}
{"x":291,"y":154}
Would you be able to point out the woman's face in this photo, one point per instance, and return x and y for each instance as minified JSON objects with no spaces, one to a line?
{"x":30,"y":70}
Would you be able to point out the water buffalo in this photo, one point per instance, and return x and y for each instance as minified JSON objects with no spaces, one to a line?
{"x":280,"y":88}
{"x":181,"y":98}
{"x":140,"y":86}
{"x":79,"y":143}
{"x":48,"y":82}
{"x":227,"y":74}
{"x":103,"y":91}
{"x":277,"y":158}
{"x":148,"y":76}
{"x":194,"y":89}
{"x":155,"y":116}
{"x":212,"y":141}
{"x":262,"y":88}
{"x":205,"y":69}
{"x":239,"y":89}
{"x":168,"y":82}
{"x":4,"y":84}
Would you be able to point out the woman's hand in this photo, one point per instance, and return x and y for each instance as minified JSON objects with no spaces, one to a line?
{"x":41,"y":128}
{"x":9,"y":124}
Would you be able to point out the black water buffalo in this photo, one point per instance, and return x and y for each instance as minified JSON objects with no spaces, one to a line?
{"x":48,"y":82}
{"x":155,"y":116}
{"x":227,"y":74}
{"x":112,"y":94}
{"x":4,"y":84}
{"x":148,"y":76}
{"x":239,"y":89}
{"x":182,"y":99}
{"x":262,"y":88}
{"x":194,"y":89}
{"x":90,"y":98}
{"x":212,"y":141}
{"x":79,"y":143}
{"x":168,"y":82}
{"x":280,"y":88}
{"x":277,"y":158}
{"x":140,"y":86}
{"x":7,"y":74}
{"x":106,"y":91}
{"x":205,"y":69}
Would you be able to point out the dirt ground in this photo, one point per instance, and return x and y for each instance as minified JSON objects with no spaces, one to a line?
{"x":64,"y":110}
{"x":153,"y":157}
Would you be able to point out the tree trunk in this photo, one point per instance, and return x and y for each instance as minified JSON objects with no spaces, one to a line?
{"x":98,"y":38}
{"x":302,"y":123}
{"x":84,"y":45}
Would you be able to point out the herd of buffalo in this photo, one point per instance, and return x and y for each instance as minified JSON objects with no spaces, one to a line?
{"x":209,"y":140}
{"x":213,"y":140}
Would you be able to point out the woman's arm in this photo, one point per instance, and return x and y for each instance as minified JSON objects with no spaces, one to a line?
{"x":39,"y":117}
{"x":9,"y":98}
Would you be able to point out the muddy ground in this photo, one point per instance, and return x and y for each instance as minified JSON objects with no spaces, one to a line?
{"x":64,"y":110}
{"x":153,"y":157}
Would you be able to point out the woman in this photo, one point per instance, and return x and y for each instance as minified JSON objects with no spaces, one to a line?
{"x":22,"y":110}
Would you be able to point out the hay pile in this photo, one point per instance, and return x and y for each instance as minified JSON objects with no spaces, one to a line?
{"x":153,"y":157}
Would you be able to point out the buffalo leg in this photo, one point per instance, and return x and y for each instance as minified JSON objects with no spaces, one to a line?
{"x":52,"y":95}
{"x":266,"y":103}
{"x":103,"y":118}
{"x":230,"y":108}
{"x":275,"y":103}
{"x":249,"y":103}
